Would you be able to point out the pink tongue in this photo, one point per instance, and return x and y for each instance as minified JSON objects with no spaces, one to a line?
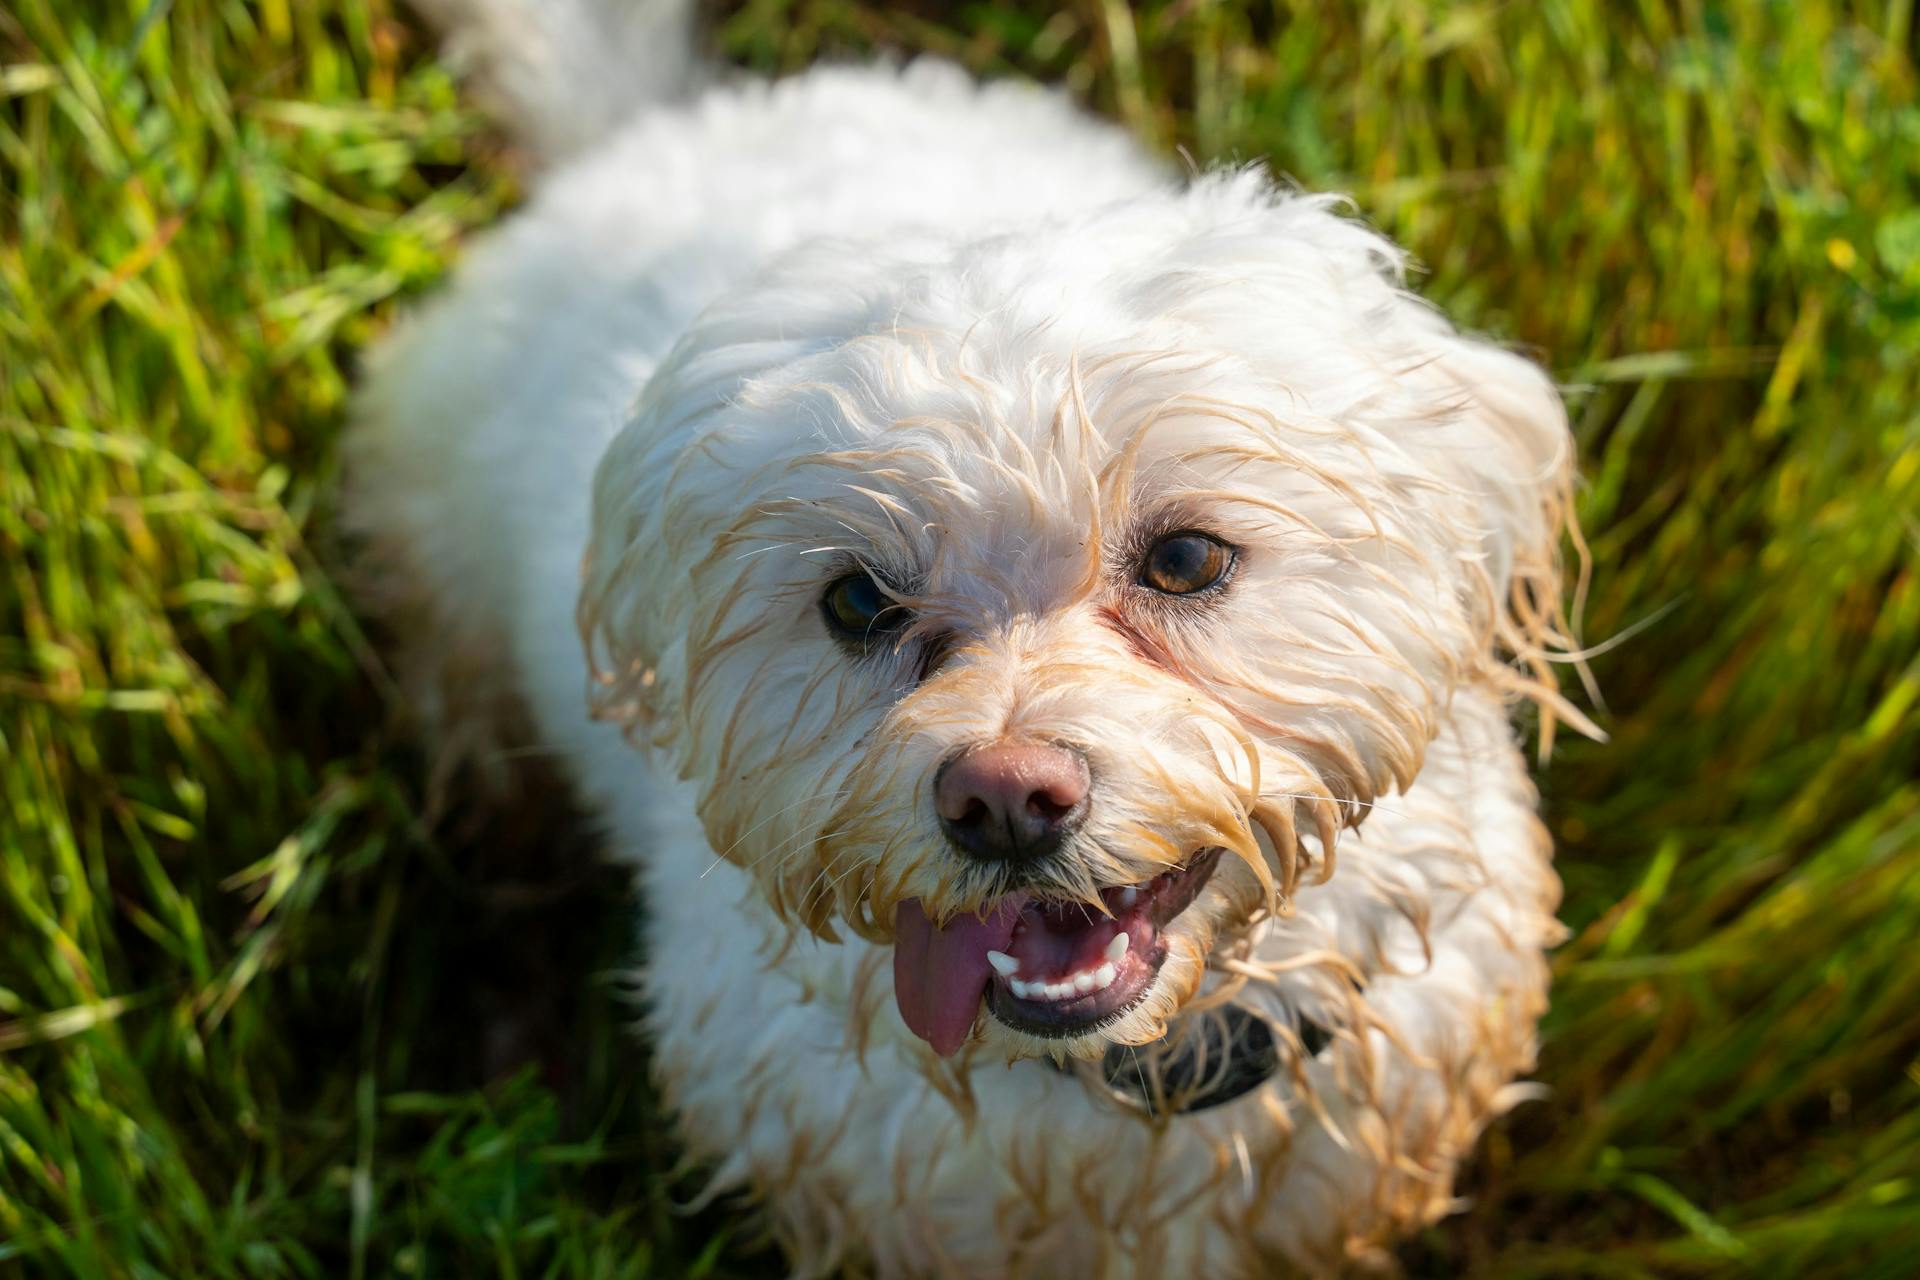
{"x":939,"y":974}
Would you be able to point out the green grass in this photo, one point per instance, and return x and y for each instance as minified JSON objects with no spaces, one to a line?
{"x":248,"y":1000}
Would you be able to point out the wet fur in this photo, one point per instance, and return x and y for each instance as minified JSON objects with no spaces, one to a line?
{"x":980,"y":345}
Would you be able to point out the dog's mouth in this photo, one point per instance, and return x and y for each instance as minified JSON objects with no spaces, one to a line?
{"x":1049,"y":969}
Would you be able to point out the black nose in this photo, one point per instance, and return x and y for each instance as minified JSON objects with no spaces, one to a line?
{"x":1012,"y":801}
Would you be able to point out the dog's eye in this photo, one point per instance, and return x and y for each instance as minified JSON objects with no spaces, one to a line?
{"x":1185,"y":562}
{"x":857,"y":609}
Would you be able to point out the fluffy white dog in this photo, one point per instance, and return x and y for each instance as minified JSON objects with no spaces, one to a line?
{"x":1012,"y":574}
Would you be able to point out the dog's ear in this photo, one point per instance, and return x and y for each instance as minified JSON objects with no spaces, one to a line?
{"x":1504,"y":441}
{"x":635,"y":596}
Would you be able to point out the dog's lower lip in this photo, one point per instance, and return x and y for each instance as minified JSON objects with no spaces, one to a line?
{"x":1102,"y":977}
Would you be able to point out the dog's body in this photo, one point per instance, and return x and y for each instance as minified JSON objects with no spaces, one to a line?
{"x":981,"y":315}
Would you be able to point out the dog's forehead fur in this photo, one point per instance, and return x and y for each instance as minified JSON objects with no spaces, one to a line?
{"x":987,"y":419}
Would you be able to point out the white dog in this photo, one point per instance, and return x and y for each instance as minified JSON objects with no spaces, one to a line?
{"x":1011,"y":574}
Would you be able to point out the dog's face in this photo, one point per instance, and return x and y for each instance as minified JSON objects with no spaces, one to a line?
{"x":1045,"y":606}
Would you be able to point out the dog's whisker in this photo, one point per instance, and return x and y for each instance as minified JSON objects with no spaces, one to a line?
{"x":826,"y":798}
{"x":822,"y":874}
{"x":1619,"y":637}
{"x":781,"y":546}
{"x":1338,"y":800}
{"x":792,"y":842}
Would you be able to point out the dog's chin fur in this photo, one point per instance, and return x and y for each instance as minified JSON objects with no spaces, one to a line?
{"x":980,"y":347}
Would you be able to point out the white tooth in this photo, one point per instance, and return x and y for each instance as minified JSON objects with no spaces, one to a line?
{"x":1003,"y":964}
{"x":1129,"y":896}
{"x":1115,"y":949}
{"x":1020,"y":989}
{"x":1103,"y":977}
{"x":1083,"y":983}
{"x":1059,"y":991}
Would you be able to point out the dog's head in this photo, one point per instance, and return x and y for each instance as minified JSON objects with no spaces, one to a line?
{"x":1044,"y":606}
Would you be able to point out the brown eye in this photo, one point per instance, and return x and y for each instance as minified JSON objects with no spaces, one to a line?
{"x":1185,"y":562}
{"x":857,"y":609}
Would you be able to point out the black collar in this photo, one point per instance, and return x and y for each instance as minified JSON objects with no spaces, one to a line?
{"x":1210,"y":1059}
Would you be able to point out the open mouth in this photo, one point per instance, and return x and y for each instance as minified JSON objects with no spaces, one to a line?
{"x":1046,"y":968}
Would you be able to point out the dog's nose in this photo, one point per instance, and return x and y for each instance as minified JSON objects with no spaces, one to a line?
{"x":1012,"y":801}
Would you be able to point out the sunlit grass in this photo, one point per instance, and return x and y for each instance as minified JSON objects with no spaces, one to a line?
{"x":247,"y":1001}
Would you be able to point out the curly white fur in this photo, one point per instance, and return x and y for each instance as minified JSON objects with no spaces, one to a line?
{"x":970,"y":340}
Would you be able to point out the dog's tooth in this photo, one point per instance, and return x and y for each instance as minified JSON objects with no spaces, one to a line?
{"x":1083,"y":983}
{"x":1129,"y":896}
{"x":1060,"y":990}
{"x":1020,"y":990}
{"x":1116,"y":948}
{"x":1103,"y":977}
{"x":1003,"y":964}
